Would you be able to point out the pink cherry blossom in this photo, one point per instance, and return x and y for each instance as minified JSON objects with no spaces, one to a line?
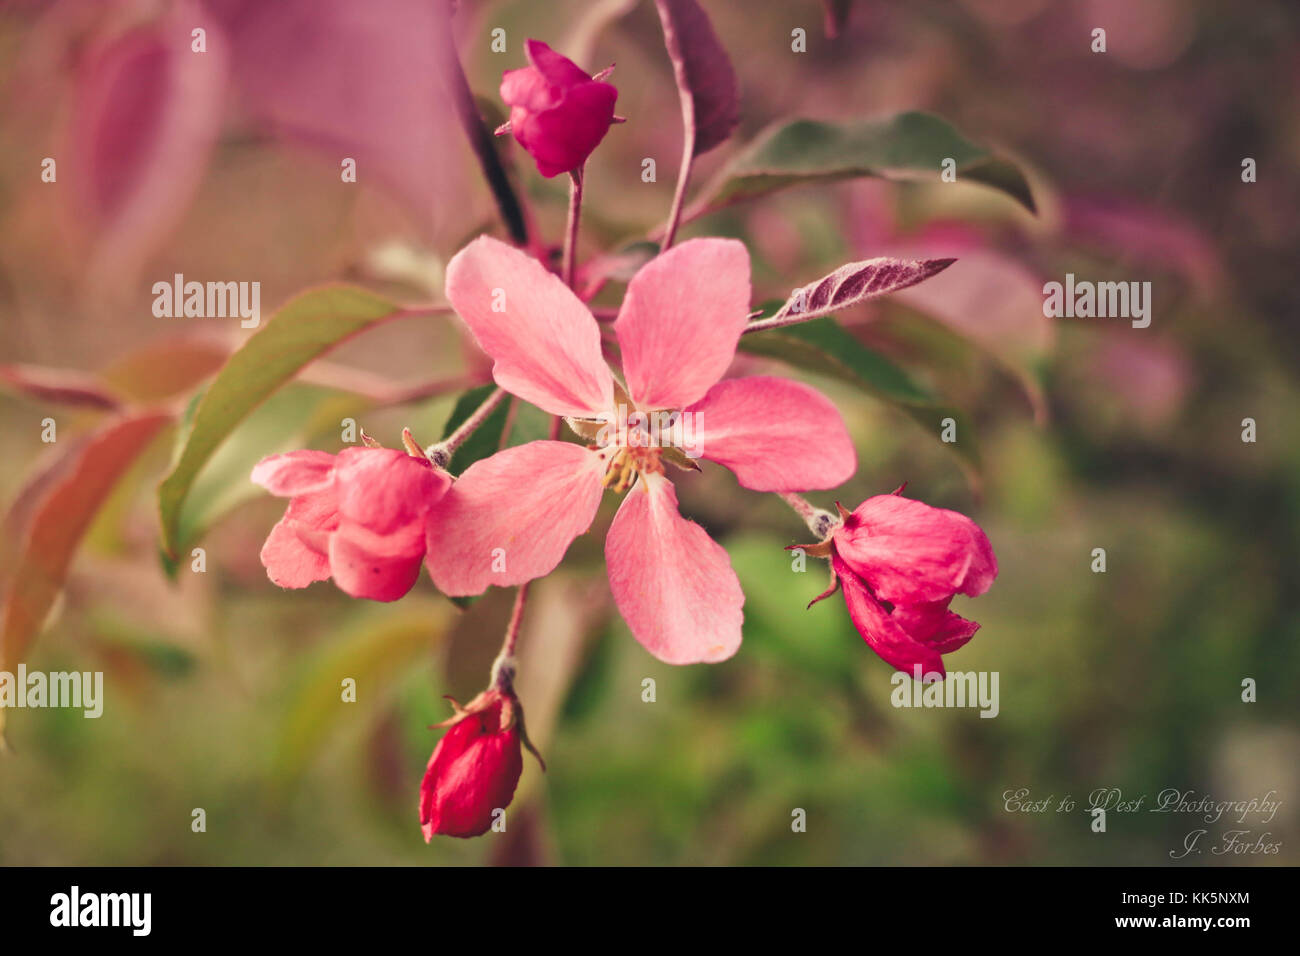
{"x":900,"y":562}
{"x":358,"y":517}
{"x":558,"y":113}
{"x":510,"y":518}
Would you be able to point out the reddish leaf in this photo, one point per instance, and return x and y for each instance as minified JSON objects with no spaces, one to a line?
{"x":355,"y":79}
{"x":167,"y":367}
{"x":710,"y":96}
{"x":858,"y":281}
{"x":837,"y":16}
{"x":144,"y":117}
{"x":62,"y":386}
{"x":61,"y":520}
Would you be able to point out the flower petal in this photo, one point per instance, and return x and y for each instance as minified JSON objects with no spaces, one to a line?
{"x":289,"y":562}
{"x":510,"y":518}
{"x":673,"y":584}
{"x":933,"y":624}
{"x":680,"y":320}
{"x":881,"y":632}
{"x":911,"y":552}
{"x":295,"y":473}
{"x":378,"y":567}
{"x":556,"y":68}
{"x":384,"y":489}
{"x":544,"y":343}
{"x":295,"y":551}
{"x":775,"y":434}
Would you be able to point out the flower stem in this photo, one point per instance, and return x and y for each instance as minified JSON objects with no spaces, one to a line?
{"x":819,"y":522}
{"x":503,"y":668}
{"x":683,"y":177}
{"x":440,"y":454}
{"x":570,"y":262}
{"x":516,"y":618}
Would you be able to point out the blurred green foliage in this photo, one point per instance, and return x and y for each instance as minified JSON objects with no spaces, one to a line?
{"x":221,"y":689}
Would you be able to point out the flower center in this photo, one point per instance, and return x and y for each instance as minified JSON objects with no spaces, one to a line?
{"x":625,"y":462}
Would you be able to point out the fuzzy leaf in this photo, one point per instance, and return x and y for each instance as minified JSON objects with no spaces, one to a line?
{"x":858,"y":281}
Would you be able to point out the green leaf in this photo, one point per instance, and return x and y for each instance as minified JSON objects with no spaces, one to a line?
{"x":822,"y":345}
{"x":280,"y":424}
{"x":909,"y":147}
{"x":302,"y":330}
{"x":826,"y":347}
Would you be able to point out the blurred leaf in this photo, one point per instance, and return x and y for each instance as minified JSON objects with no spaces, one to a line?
{"x":374,"y":651}
{"x":282,"y":423}
{"x":60,"y":521}
{"x":965,"y":447}
{"x":162,"y":657}
{"x":303,"y":329}
{"x":167,"y":367}
{"x":859,"y":281}
{"x":620,"y":265}
{"x":907,"y":147}
{"x":996,"y":303}
{"x":836,"y":16}
{"x":824,"y":346}
{"x":705,"y":78}
{"x":143,"y":118}
{"x":63,"y":386}
{"x":588,"y":24}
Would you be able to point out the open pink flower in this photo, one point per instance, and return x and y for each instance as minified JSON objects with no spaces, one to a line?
{"x":358,"y":517}
{"x":510,"y":518}
{"x":900,"y":562}
{"x":558,"y":113}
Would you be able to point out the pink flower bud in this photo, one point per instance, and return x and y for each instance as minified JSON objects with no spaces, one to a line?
{"x":899,"y":563}
{"x":474,"y":769}
{"x":558,"y":113}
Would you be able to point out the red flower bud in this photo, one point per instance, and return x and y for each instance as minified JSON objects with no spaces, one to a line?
{"x":558,"y":113}
{"x":475,"y":767}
